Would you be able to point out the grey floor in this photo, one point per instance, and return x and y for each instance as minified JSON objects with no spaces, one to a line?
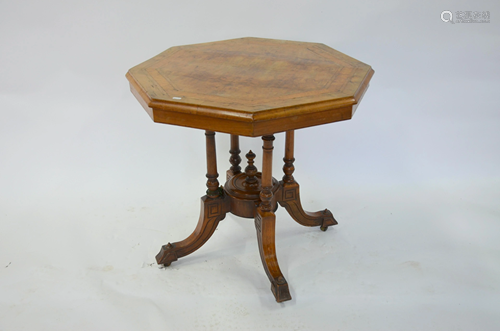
{"x":407,"y":258}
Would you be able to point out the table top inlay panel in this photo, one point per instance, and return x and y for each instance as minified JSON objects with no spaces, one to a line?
{"x":250,"y":80}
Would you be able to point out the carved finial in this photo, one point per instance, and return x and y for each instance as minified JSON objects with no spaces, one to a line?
{"x":251,"y":170}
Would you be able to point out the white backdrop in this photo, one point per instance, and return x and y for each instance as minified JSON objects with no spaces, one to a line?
{"x":90,"y":187}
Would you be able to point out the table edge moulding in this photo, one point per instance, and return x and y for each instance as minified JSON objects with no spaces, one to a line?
{"x":163,"y":106}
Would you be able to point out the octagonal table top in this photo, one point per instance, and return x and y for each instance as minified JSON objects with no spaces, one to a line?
{"x":250,"y":86}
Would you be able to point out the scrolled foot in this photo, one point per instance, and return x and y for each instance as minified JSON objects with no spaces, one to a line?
{"x":328,"y":220}
{"x":213,"y":210}
{"x":290,"y":199}
{"x":166,"y":255}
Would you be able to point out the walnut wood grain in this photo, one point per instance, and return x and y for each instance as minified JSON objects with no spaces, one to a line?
{"x":235,"y":158}
{"x":244,"y":198}
{"x":250,"y":86}
{"x":213,"y":210}
{"x":289,"y":196}
{"x":265,"y":224}
{"x":214,"y":207}
{"x":288,"y":168}
{"x":290,"y":200}
{"x":212,"y":175}
{"x":266,"y":194}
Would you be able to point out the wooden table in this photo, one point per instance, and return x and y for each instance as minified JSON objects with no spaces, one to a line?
{"x":250,"y":87}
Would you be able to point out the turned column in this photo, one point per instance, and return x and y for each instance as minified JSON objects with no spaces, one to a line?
{"x":235,"y":158}
{"x":266,"y":193}
{"x":288,"y":168}
{"x":212,"y":182}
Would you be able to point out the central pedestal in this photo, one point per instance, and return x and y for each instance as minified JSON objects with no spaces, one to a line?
{"x":249,"y":194}
{"x":245,"y":196}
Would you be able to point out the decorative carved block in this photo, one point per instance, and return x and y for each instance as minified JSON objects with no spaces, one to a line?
{"x":289,"y":194}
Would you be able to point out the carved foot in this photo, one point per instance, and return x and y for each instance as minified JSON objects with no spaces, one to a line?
{"x":290,"y":199}
{"x":265,"y":222}
{"x":167,"y":255}
{"x":213,"y":210}
{"x":279,"y":287}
